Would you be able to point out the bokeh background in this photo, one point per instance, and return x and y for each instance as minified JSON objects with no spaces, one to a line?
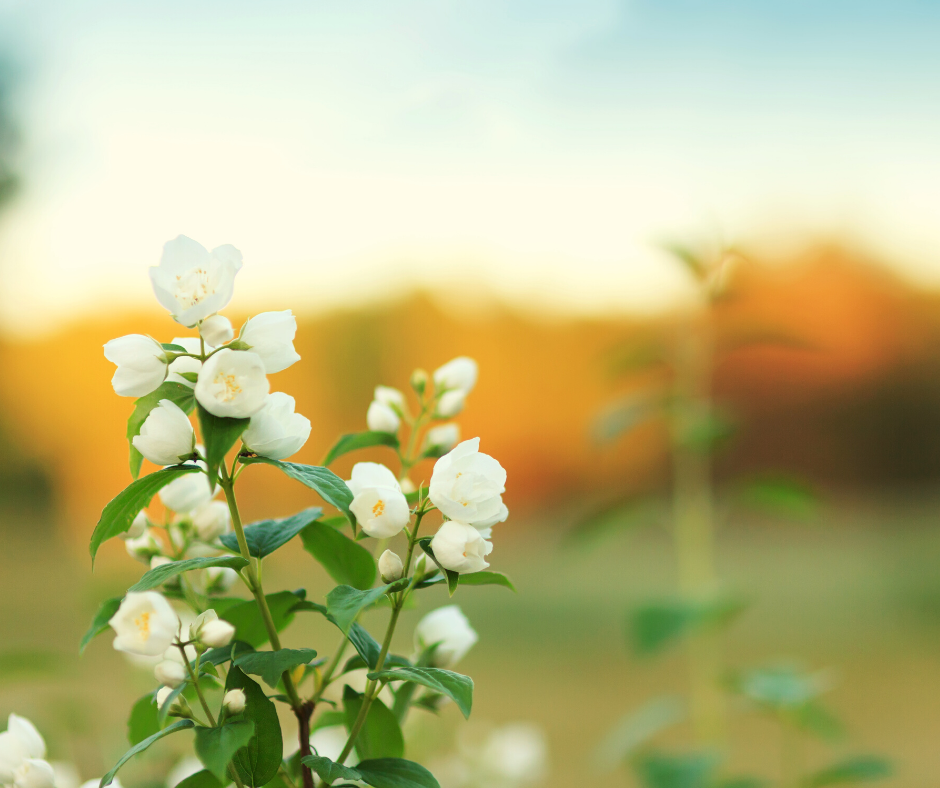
{"x":498,"y":179}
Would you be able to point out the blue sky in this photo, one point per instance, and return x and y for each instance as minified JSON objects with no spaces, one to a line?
{"x":535,"y":149}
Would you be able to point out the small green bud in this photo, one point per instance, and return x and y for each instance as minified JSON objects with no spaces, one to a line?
{"x":419,"y":381}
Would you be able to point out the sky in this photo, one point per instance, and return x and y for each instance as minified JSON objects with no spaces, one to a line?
{"x":539,"y":151}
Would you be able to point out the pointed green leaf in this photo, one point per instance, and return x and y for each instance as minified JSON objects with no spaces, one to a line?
{"x":380,"y":736}
{"x":125,"y":506}
{"x":343,"y":603}
{"x":636,"y":729}
{"x":782,"y":496}
{"x":223,"y":654}
{"x":455,"y":686}
{"x":266,"y":536}
{"x":144,"y":720}
{"x":100,"y":622}
{"x":216,"y":747}
{"x":344,"y":560}
{"x":328,"y":770}
{"x":657,"y":625}
{"x":365,"y":644}
{"x":360,"y":440}
{"x":483,"y":578}
{"x":219,"y":435}
{"x":159,"y":575}
{"x":258,"y":761}
{"x":862,"y":768}
{"x":271,"y":664}
{"x":327,"y":484}
{"x":203,"y":779}
{"x":395,"y":773}
{"x":695,"y":770}
{"x":781,"y":686}
{"x":177,"y":393}
{"x":141,"y":746}
{"x":249,"y":626}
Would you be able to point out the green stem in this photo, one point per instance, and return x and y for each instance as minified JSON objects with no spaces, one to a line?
{"x":193,"y":673}
{"x":330,"y":669}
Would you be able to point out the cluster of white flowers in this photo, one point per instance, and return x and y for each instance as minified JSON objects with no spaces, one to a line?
{"x":228,"y":374}
{"x":22,"y":756}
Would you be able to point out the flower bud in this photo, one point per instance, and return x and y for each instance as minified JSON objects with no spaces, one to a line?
{"x":138,"y":527}
{"x":178,"y":707}
{"x":142,"y":548}
{"x":141,"y":364}
{"x":390,"y":567}
{"x":160,"y":560}
{"x":457,"y":374}
{"x":271,"y":336}
{"x":448,"y":628}
{"x":170,"y":673}
{"x":217,"y":633}
{"x":211,"y":520}
{"x":381,"y":418}
{"x":419,"y":381}
{"x":166,"y":436}
{"x":277,"y":431}
{"x":216,"y":330}
{"x":234,"y":701}
{"x":442,"y":439}
{"x":460,"y":548}
{"x":450,"y":404}
{"x":220,"y":578}
{"x":391,"y":397}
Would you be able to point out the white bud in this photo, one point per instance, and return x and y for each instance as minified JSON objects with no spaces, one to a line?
{"x":186,"y":363}
{"x":276,"y":431}
{"x":381,"y":418}
{"x":143,"y":548}
{"x":178,"y":708}
{"x":391,"y":397}
{"x":220,"y":578}
{"x":138,"y":527}
{"x":141,"y":364}
{"x":170,"y":673}
{"x":448,"y":628}
{"x":459,"y":373}
{"x":467,"y":485}
{"x":442,"y":438}
{"x":216,"y":330}
{"x":450,"y":404}
{"x":211,"y":520}
{"x":166,"y":436}
{"x":160,"y":560}
{"x":271,"y":336}
{"x":390,"y":567}
{"x":234,"y":701}
{"x":460,"y":548}
{"x":217,"y":633}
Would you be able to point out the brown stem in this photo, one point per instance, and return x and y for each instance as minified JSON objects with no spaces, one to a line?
{"x":304,"y":713}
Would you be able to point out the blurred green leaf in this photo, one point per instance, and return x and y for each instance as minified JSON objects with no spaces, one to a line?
{"x":271,"y":664}
{"x":636,"y":729}
{"x":141,"y":746}
{"x":380,"y":736}
{"x":395,"y":773}
{"x":360,"y":440}
{"x":862,"y":768}
{"x":344,"y":560}
{"x":691,"y":260}
{"x":219,"y":435}
{"x":705,"y":432}
{"x":259,"y":758}
{"x":744,"y":337}
{"x":638,"y":354}
{"x":179,"y":394}
{"x":814,"y":718}
{"x":24,"y":663}
{"x":159,"y":575}
{"x":125,"y":506}
{"x":781,"y":687}
{"x":323,"y":481}
{"x":246,"y":618}
{"x":457,"y":687}
{"x":636,"y":511}
{"x":695,"y":770}
{"x":620,"y":417}
{"x":266,"y":536}
{"x":657,"y":625}
{"x":144,"y":720}
{"x":741,"y":782}
{"x":781,"y":496}
{"x":216,"y":747}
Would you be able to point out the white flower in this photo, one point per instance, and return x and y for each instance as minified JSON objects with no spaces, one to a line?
{"x":173,"y":654}
{"x":22,"y":750}
{"x":459,"y":373}
{"x":34,"y":773}
{"x":485,"y":527}
{"x":450,"y":404}
{"x":517,"y":754}
{"x":166,"y":436}
{"x":390,"y":567}
{"x":232,"y":384}
{"x":378,"y":502}
{"x":186,"y":363}
{"x":26,"y":734}
{"x":391,"y":397}
{"x":381,"y":418}
{"x":66,"y":775}
{"x":138,"y":527}
{"x":170,"y":673}
{"x":271,"y":336}
{"x":460,"y":547}
{"x":220,"y":578}
{"x":467,"y":485}
{"x":448,"y":629}
{"x":211,"y":520}
{"x":234,"y":701}
{"x":141,"y":364}
{"x":142,"y":548}
{"x":145,"y":624}
{"x":216,"y":330}
{"x":185,"y":767}
{"x":276,"y":431}
{"x":442,"y":438}
{"x":193,"y":283}
{"x":187,"y":492}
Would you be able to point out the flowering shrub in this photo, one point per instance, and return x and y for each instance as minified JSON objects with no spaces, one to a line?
{"x":216,"y":678}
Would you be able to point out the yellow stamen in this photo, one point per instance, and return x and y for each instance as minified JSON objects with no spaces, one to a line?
{"x":143,"y":624}
{"x":379,"y":509}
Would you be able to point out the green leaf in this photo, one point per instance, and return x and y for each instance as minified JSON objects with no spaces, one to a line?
{"x":158,"y":576}
{"x":203,"y":779}
{"x":691,"y":260}
{"x":216,"y":747}
{"x":781,"y":496}
{"x":360,"y":440}
{"x":677,"y":771}
{"x":781,"y":686}
{"x":266,"y":536}
{"x":173,"y":348}
{"x":144,"y":720}
{"x":742,"y":782}
{"x":455,"y":686}
{"x":862,"y":768}
{"x":482,"y":578}
{"x":395,"y":773}
{"x":121,"y":511}
{"x":271,"y":664}
{"x":328,"y":770}
{"x":328,"y":719}
{"x":100,"y":622}
{"x":636,"y":511}
{"x":659,"y":624}
{"x":218,"y":656}
{"x":705,"y":432}
{"x":177,"y":393}
{"x":358,"y":662}
{"x":141,"y":746}
{"x":344,"y":560}
{"x":365,"y":644}
{"x":219,"y":435}
{"x":327,"y":484}
{"x":636,"y":729}
{"x":619,"y":418}
{"x":453,"y":578}
{"x":23,"y":663}
{"x":259,"y":760}
{"x":344,"y":603}
{"x":380,"y":736}
{"x":246,"y":618}
{"x":814,"y":718}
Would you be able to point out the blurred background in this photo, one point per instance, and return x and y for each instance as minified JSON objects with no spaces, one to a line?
{"x":424,"y":180}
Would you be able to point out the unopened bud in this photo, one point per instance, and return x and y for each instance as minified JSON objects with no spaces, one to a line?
{"x":170,"y":673}
{"x":419,"y":381}
{"x":216,"y":330}
{"x":234,"y":701}
{"x":390,"y":567}
{"x":178,"y":706}
{"x":159,"y":560}
{"x":218,"y":633}
{"x":138,"y":527}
